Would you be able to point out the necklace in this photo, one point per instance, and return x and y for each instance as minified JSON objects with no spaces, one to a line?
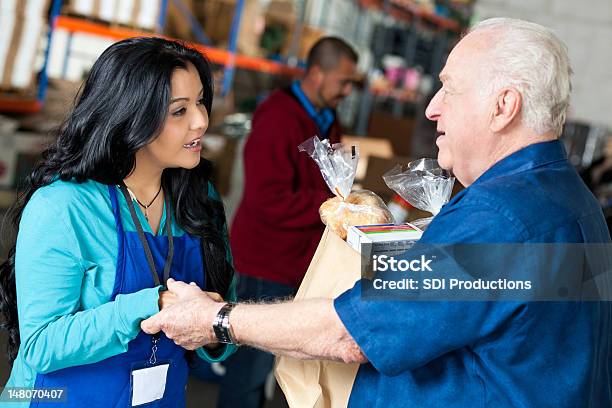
{"x":146,"y":207}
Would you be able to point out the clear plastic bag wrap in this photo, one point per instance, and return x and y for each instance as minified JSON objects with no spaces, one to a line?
{"x":423,"y":184}
{"x":362,"y":207}
{"x":338,"y":167}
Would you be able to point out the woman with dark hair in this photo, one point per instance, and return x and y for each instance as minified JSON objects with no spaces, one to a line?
{"x":119,"y":204}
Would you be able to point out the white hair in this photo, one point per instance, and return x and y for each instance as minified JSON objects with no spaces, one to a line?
{"x":530,"y":58}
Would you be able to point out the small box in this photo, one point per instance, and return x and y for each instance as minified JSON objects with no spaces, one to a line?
{"x":377,"y":166}
{"x":368,"y":146}
{"x":18,"y":154}
{"x":385,"y":239}
{"x":398,"y":130}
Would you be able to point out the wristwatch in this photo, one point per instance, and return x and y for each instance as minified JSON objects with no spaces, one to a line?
{"x":222,"y":327}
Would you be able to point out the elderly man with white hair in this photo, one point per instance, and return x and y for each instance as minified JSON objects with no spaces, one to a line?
{"x":505,"y":91}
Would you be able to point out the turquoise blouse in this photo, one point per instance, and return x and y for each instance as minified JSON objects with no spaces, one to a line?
{"x":65,"y":266}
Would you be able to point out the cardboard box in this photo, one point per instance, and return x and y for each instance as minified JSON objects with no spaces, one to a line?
{"x":72,"y":59}
{"x":18,"y":154}
{"x":339,"y":16}
{"x":280,"y":25}
{"x":134,"y":13}
{"x":398,"y":131}
{"x":216,"y":18}
{"x":7,"y":125}
{"x":307,"y":38}
{"x":176,"y":25}
{"x":24,"y":26}
{"x":59,"y":101}
{"x":377,"y":166}
{"x":368,"y":146}
{"x":383,"y":239}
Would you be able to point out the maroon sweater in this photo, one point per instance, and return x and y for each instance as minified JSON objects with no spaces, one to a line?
{"x":277,"y":225}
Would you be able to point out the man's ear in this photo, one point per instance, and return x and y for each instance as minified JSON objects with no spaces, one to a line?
{"x":317,"y":74}
{"x":507,"y":107}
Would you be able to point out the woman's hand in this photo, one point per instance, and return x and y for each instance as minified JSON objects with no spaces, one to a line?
{"x":167,"y":299}
{"x":215,"y":296}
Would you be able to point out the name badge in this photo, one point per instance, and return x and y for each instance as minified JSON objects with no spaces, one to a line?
{"x":149,"y":384}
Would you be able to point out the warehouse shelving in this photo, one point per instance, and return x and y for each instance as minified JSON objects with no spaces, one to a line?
{"x":18,"y":104}
{"x":408,"y":9}
{"x":229,"y":58}
{"x":215,"y":55}
{"x":418,"y":18}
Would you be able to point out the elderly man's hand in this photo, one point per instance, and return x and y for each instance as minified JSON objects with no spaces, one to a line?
{"x":188,"y":322}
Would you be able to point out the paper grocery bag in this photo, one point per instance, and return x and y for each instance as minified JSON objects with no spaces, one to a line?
{"x":334,"y":268}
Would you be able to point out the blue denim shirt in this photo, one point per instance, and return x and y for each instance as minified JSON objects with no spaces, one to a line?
{"x":493,"y":354}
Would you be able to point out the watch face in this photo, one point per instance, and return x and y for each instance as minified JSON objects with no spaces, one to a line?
{"x":221,"y":329}
{"x":219,"y":333}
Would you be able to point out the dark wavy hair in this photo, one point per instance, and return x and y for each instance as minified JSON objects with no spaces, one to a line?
{"x":122,"y":106}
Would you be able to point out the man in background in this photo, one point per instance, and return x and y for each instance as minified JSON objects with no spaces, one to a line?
{"x":277,"y":225}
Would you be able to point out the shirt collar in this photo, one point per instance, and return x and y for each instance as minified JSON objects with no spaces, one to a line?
{"x":530,"y":157}
{"x":296,"y":87}
{"x":324,"y":118}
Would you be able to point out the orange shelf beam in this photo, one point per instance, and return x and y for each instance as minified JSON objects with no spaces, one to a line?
{"x":215,"y":55}
{"x":14,"y":105}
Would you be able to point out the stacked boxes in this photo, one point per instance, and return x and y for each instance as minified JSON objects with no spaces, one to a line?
{"x":134,"y":13}
{"x":18,"y":153}
{"x":23,"y":24}
{"x":73,"y":54}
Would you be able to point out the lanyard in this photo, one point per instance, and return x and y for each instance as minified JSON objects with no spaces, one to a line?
{"x":145,"y":243}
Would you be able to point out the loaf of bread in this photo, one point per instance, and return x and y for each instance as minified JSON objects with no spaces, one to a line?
{"x":362,"y":207}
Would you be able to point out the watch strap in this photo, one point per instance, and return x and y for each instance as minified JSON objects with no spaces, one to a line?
{"x":221,"y":325}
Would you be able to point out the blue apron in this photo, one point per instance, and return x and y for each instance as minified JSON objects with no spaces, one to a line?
{"x":106,"y":384}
